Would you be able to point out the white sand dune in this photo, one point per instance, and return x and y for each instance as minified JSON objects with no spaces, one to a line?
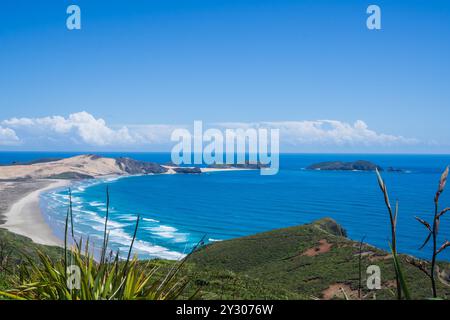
{"x":84,"y":165}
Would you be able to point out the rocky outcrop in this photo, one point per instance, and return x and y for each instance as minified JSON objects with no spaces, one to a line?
{"x":132,"y":166}
{"x":189,"y":170}
{"x":331,"y":226}
{"x":392,"y":169}
{"x":360,"y":165}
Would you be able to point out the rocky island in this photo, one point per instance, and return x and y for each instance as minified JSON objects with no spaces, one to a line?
{"x":360,"y":165}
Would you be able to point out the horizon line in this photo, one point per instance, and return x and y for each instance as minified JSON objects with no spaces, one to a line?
{"x":281,"y":153}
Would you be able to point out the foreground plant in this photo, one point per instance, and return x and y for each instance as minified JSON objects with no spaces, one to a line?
{"x":401,"y":278}
{"x":78,"y":276}
{"x":393,"y":222}
{"x":433,"y":230}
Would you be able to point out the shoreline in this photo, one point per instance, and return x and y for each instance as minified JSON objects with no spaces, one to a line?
{"x":24,"y":217}
{"x":22,"y":214}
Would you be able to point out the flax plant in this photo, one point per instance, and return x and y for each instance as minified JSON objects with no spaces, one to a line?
{"x":361,"y":243}
{"x":393,"y":221}
{"x":433,"y":230}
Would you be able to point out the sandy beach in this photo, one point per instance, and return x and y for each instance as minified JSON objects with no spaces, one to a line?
{"x":21,"y":213}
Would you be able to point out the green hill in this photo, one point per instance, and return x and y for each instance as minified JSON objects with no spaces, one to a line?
{"x":14,"y":252}
{"x":313,"y":261}
{"x":305,"y":262}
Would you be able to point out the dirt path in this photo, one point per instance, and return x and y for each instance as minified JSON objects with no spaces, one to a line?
{"x":324,"y":246}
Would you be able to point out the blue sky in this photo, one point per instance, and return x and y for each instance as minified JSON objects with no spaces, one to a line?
{"x":137,"y":64}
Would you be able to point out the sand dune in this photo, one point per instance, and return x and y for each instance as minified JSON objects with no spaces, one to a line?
{"x":85,"y":165}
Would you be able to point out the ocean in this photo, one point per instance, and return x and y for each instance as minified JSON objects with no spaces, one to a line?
{"x":179,"y":210}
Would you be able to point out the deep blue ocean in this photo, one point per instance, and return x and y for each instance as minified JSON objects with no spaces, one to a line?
{"x":178,"y":210}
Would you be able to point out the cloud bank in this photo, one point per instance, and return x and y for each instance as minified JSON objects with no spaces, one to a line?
{"x":327,"y":132}
{"x":8,"y":137}
{"x":82,"y":129}
{"x":80,"y":126}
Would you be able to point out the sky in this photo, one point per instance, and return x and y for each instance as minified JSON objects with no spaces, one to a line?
{"x":139,"y":69}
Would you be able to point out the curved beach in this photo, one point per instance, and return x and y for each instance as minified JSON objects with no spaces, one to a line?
{"x":23,"y":215}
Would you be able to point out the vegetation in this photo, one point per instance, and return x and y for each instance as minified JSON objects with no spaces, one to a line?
{"x":14,"y":250}
{"x":433,"y":231}
{"x":284,"y":261}
{"x":393,"y":221}
{"x":269,"y":265}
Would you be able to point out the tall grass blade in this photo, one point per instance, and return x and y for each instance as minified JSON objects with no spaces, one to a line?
{"x":399,"y":271}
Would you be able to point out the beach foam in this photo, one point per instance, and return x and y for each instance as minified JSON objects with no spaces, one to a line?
{"x":89,"y":221}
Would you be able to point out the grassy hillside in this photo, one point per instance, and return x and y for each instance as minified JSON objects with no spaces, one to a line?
{"x":14,"y":250}
{"x":309,"y":261}
{"x":302,"y":262}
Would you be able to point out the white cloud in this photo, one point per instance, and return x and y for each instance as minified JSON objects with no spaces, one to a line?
{"x":153,"y":133}
{"x":327,"y":132}
{"x":83,"y":129}
{"x":8,"y":137}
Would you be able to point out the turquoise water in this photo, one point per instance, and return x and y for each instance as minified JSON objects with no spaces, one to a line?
{"x":178,"y":210}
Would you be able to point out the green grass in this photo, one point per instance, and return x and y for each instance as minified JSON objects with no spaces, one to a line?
{"x":268,"y":265}
{"x":275,"y":259}
{"x":13,"y":252}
